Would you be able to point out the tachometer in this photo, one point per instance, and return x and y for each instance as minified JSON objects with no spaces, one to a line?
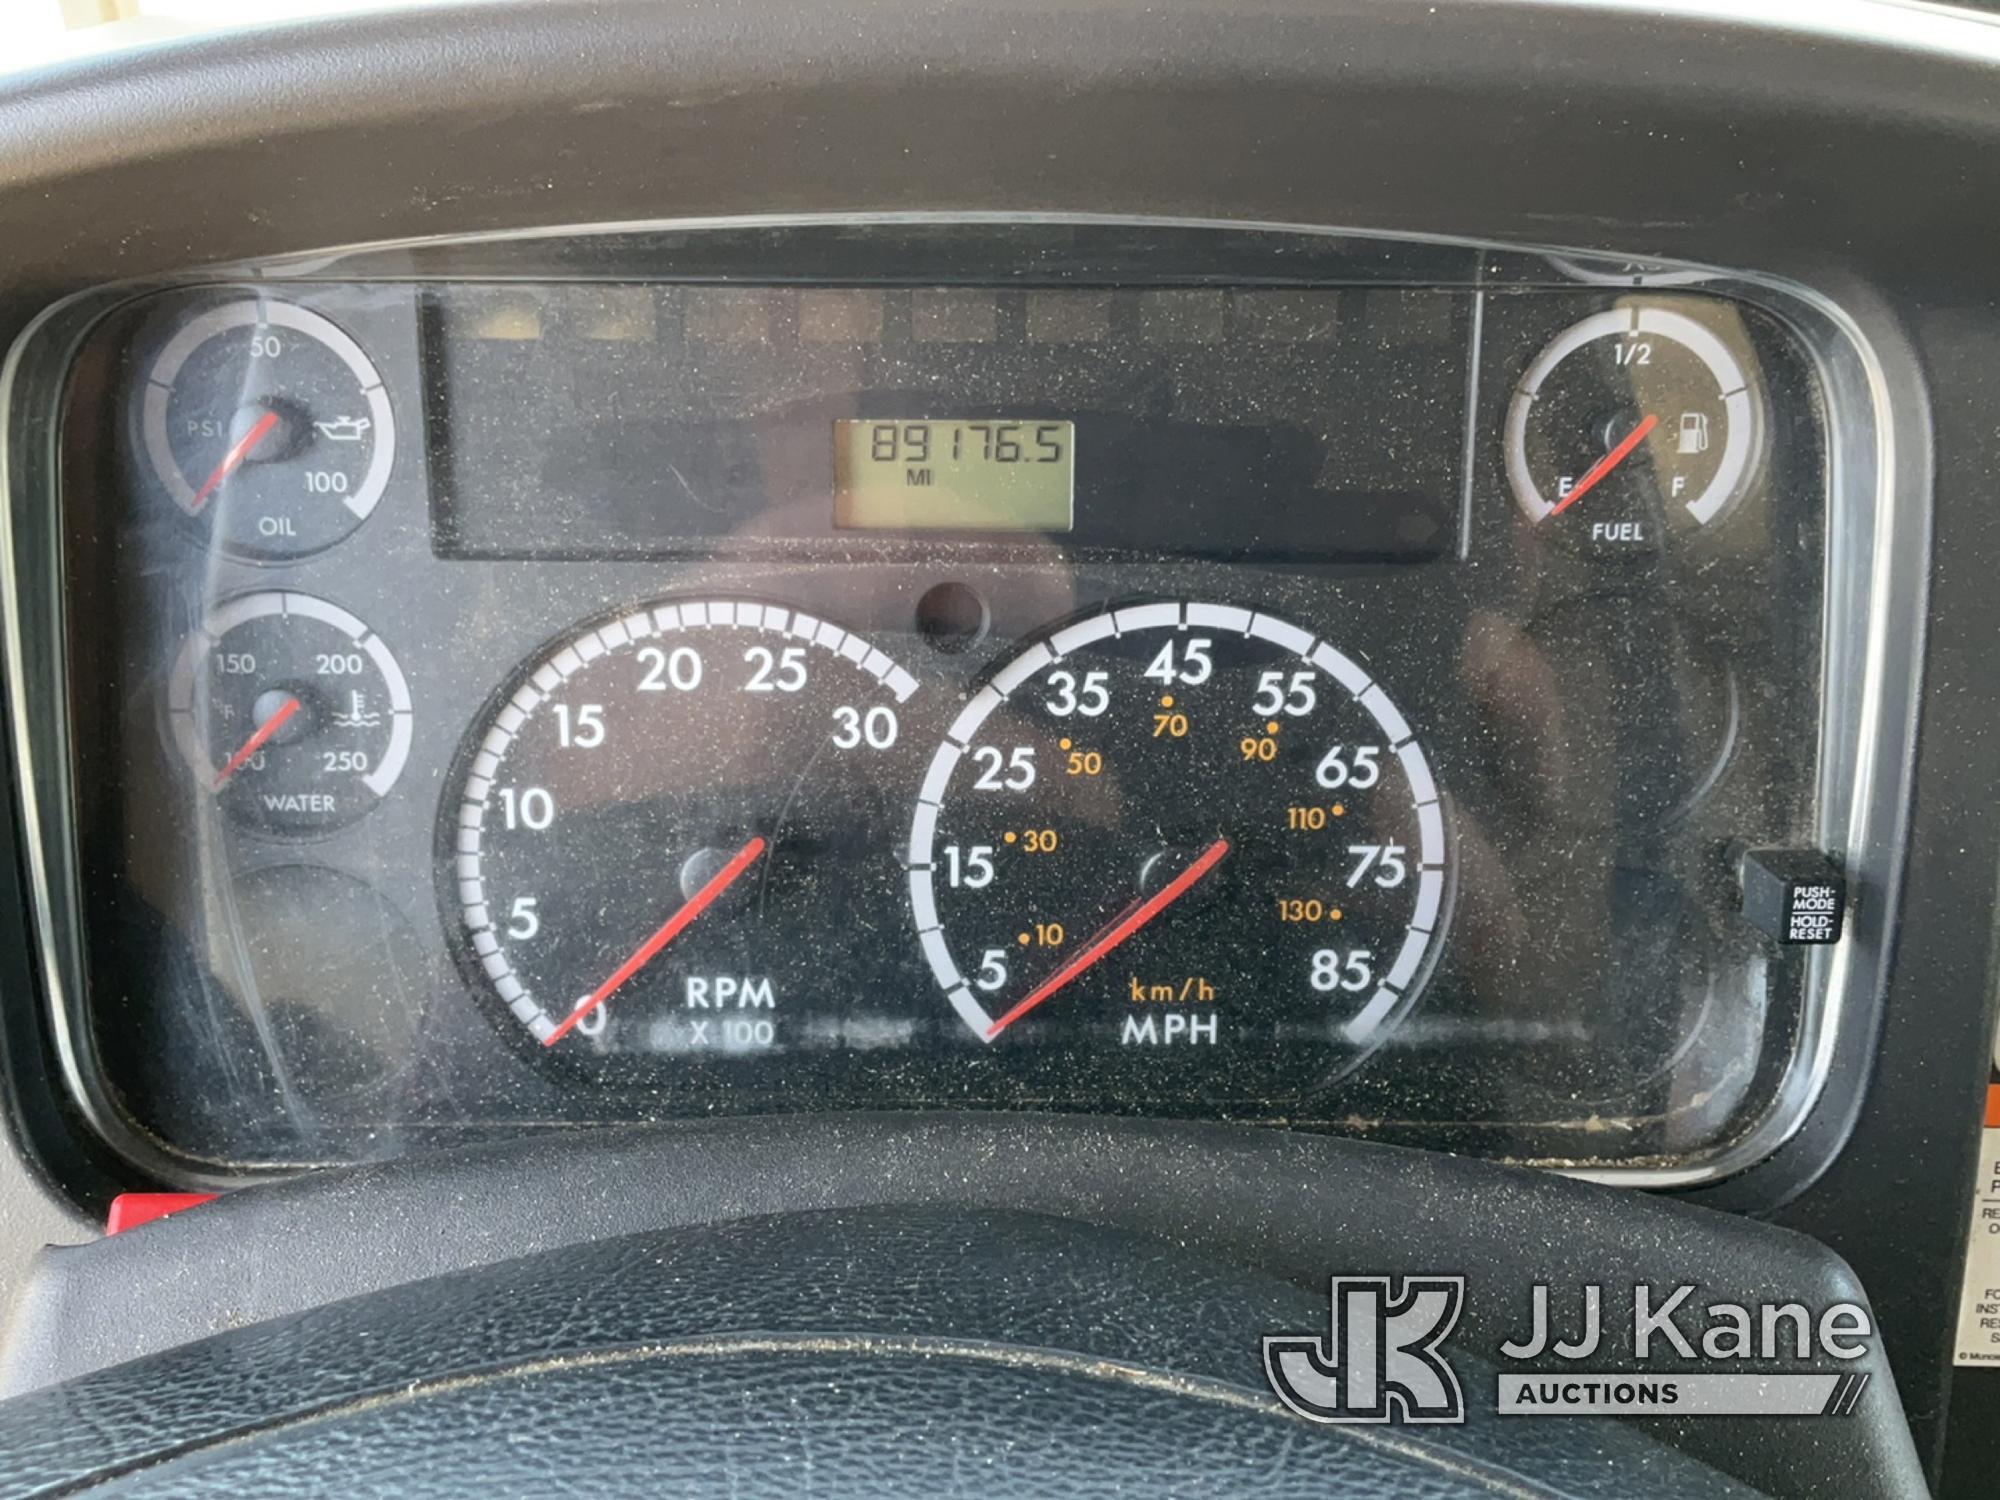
{"x":663,"y":843}
{"x":1180,"y":827}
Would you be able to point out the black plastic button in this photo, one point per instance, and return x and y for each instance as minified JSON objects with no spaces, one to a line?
{"x":1793,"y":895}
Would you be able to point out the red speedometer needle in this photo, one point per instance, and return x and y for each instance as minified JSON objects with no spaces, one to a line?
{"x":257,"y":741}
{"x":233,"y":459}
{"x":672,"y":928}
{"x":1121,"y":927}
{"x":1605,"y":465}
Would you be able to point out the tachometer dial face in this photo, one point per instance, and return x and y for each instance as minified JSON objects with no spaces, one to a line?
{"x":667,"y":831}
{"x":270,"y":425}
{"x":1181,"y":829}
{"x":291,"y":712}
{"x":1632,"y":424}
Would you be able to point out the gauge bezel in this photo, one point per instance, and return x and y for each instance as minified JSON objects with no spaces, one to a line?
{"x":1742,"y":449}
{"x":1860,"y":696}
{"x":261,"y":604}
{"x":253,"y":311}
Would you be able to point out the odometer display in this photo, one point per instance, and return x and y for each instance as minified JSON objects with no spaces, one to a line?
{"x":954,"y":476}
{"x":1181,"y":830}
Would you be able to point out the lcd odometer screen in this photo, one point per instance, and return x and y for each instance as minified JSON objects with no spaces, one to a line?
{"x":1283,"y":424}
{"x":930,"y":475}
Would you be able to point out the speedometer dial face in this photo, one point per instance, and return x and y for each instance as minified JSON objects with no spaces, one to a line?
{"x":667,"y":831}
{"x":1181,"y":830}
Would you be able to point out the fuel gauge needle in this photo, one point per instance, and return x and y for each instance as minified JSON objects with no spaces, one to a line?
{"x":256,"y":742}
{"x":1606,"y":464}
{"x":672,"y":928}
{"x":233,"y":459}
{"x":1120,"y":928}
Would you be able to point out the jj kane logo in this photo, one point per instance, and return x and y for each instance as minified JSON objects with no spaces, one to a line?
{"x":1382,"y":1358}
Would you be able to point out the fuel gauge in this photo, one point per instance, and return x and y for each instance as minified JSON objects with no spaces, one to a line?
{"x":291,"y":713}
{"x":1631,"y":425}
{"x":270,"y":425}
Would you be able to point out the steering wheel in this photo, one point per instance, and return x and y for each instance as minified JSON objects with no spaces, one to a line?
{"x":967,"y":1305}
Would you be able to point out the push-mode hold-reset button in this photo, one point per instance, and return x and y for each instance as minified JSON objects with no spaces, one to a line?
{"x":1793,"y":895}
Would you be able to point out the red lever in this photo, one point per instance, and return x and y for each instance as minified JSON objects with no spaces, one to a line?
{"x":130,"y":1210}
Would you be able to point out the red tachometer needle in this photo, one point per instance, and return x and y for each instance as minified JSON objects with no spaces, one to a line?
{"x":1605,"y":465}
{"x":1121,"y":927}
{"x":672,"y":928}
{"x":233,"y":459}
{"x":257,"y":741}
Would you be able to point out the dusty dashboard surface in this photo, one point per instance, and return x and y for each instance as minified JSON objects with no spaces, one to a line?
{"x":1317,"y":681}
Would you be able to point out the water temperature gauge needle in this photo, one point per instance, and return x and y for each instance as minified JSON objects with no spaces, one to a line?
{"x":256,"y":742}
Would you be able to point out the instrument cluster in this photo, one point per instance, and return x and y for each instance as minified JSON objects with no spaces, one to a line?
{"x":1323,"y":682}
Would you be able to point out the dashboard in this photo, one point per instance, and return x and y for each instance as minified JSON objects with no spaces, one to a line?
{"x":1320,"y":680}
{"x":634,"y":620}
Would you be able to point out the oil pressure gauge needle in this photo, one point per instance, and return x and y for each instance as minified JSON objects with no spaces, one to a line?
{"x":233,"y":459}
{"x":1606,"y":464}
{"x":672,"y":928}
{"x":256,"y":742}
{"x":1120,"y":928}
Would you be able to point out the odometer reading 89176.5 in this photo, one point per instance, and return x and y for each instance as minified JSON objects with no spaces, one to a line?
{"x":954,"y":476}
{"x":1181,"y":827}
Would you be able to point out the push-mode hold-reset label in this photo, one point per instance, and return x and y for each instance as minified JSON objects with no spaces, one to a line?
{"x":1793,"y":895}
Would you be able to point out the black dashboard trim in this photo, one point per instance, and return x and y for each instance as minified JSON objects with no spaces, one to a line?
{"x":1214,"y":1191}
{"x":1849,"y":147}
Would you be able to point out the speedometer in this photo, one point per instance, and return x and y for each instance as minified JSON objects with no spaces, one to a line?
{"x":1181,"y":827}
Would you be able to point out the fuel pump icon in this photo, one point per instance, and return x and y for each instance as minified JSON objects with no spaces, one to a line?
{"x":1693,"y":432}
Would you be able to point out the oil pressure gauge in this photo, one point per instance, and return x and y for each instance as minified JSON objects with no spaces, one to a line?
{"x":270,"y":426}
{"x":1632,"y":425}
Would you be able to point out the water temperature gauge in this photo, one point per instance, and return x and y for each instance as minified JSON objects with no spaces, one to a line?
{"x":291,"y":712}
{"x":269,"y":425}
